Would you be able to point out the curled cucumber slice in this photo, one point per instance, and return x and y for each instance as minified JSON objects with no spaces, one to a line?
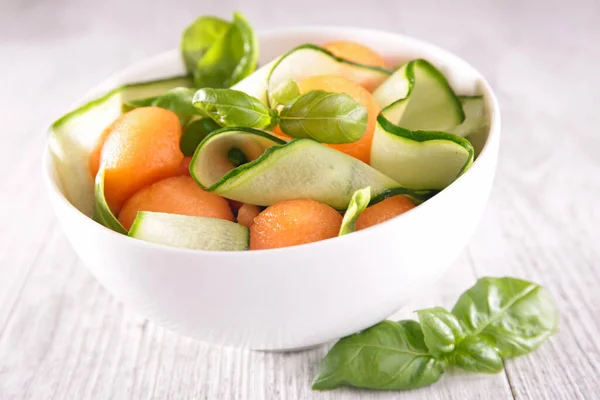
{"x":197,"y":233}
{"x":73,"y":137}
{"x":102,"y":213}
{"x":418,"y":97}
{"x":224,"y":150}
{"x":309,"y":59}
{"x":475,"y":117}
{"x":420,"y":160}
{"x":301,"y":168}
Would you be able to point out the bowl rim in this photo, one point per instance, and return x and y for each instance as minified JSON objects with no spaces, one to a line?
{"x":485,"y":88}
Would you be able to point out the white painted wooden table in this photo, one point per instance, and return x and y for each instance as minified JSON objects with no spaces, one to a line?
{"x":62,"y":336}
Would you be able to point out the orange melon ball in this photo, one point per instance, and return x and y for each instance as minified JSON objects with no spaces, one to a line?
{"x":294,"y":222}
{"x":184,"y":167}
{"x":360,"y":149}
{"x":384,"y":210}
{"x":175,"y":195}
{"x":355,"y":52}
{"x":140,"y":148}
{"x":247,"y":213}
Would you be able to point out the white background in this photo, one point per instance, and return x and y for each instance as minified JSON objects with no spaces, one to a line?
{"x":63,"y":336}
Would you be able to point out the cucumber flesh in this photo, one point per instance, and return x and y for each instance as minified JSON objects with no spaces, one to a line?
{"x":299,"y":169}
{"x":196,"y":233}
{"x":359,"y":202}
{"x":418,"y":97}
{"x":255,"y":84}
{"x":309,"y":59}
{"x":419,"y":160}
{"x":73,"y":137}
{"x":475,"y":117}
{"x":212,"y":157}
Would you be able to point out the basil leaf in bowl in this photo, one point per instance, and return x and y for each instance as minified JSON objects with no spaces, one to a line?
{"x":217,"y":53}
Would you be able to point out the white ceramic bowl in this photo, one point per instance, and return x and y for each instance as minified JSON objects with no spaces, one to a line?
{"x":298,"y":296}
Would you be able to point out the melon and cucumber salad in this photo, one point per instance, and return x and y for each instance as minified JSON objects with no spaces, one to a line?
{"x":325,"y":140}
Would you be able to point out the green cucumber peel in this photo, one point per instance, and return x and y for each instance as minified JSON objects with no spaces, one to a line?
{"x":73,"y":137}
{"x":102,"y":213}
{"x":190,"y":232}
{"x":418,"y":97}
{"x":495,"y":319}
{"x":475,"y":117}
{"x":420,"y":160}
{"x":325,"y":117}
{"x":310,"y":59}
{"x":358,"y":203}
{"x":279,"y":170}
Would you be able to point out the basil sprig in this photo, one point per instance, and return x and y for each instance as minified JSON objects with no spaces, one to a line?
{"x":319,"y":115}
{"x":218,"y":53}
{"x":498,"y":318}
{"x":325,"y":117}
{"x":285,"y":93}
{"x":231,"y":108}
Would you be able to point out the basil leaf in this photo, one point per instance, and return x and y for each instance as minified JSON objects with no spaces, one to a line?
{"x":232,"y":57}
{"x":358,"y":203}
{"x":102,"y":213}
{"x":194,"y":132}
{"x":512,"y":315}
{"x":477,"y":355}
{"x":324,"y":117}
{"x":389,"y":355}
{"x":231,"y":108}
{"x":178,"y":100}
{"x":285,"y":93}
{"x":441,"y":330}
{"x":199,"y":37}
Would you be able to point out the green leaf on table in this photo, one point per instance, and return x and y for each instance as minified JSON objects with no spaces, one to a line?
{"x":232,"y":56}
{"x":325,"y":117}
{"x":199,"y":37}
{"x":194,"y":132}
{"x":476,"y":355}
{"x":441,"y":330}
{"x":512,"y":315}
{"x":389,"y":355}
{"x":232,"y":108}
{"x":285,"y":93}
{"x":358,"y":203}
{"x":178,"y":100}
{"x":102,"y":213}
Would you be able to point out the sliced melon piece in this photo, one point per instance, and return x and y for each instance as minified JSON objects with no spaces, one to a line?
{"x":73,"y":137}
{"x":358,"y":203}
{"x":418,"y":97}
{"x":309,"y":59}
{"x":475,"y":117}
{"x":196,"y":233}
{"x":102,"y":213}
{"x":299,"y":169}
{"x":420,"y":160}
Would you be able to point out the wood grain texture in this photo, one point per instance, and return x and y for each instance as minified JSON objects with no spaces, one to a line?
{"x":63,"y":337}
